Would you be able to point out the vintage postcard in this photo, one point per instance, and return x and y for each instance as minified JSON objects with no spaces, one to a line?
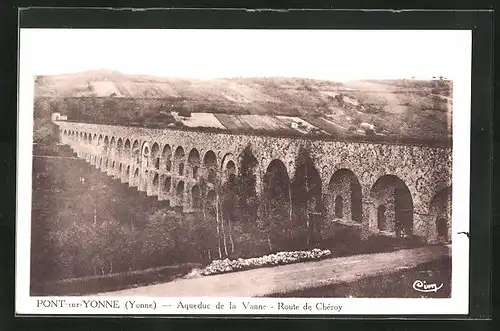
{"x":256,"y":172}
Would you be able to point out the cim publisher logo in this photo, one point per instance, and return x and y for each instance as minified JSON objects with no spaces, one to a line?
{"x":423,"y":286}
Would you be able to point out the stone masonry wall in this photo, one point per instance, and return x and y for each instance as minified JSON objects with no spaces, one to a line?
{"x":424,"y":170}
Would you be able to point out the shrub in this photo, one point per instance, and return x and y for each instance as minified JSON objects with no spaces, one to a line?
{"x":184,"y":113}
{"x":280,"y":258}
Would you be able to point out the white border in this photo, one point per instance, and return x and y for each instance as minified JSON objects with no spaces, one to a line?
{"x":457,"y":304}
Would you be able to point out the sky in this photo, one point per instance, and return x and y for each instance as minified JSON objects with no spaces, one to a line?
{"x":321,"y":54}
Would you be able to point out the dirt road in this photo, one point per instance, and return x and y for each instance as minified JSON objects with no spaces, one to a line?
{"x":265,"y":281}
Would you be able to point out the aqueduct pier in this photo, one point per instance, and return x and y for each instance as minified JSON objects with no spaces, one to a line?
{"x":374,"y":186}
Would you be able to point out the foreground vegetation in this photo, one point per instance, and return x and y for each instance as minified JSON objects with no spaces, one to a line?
{"x":85,"y":224}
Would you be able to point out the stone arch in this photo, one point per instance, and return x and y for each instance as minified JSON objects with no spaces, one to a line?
{"x":145,"y":160}
{"x":225,"y":159}
{"x":95,"y":138}
{"x":277,"y":196}
{"x":249,"y":170}
{"x":106,"y":144}
{"x":307,"y":197}
{"x":439,"y":227}
{"x":210,"y":165}
{"x":179,"y":160}
{"x":136,"y":178}
{"x":442,"y":226}
{"x":167,"y":185}
{"x":196,"y":197}
{"x":136,"y":152}
{"x":210,"y":200}
{"x":230,"y":172}
{"x":65,"y":132}
{"x":156,"y":182}
{"x":166,"y":156}
{"x":85,"y":137}
{"x":112,"y":147}
{"x":145,"y":155}
{"x":119,"y":147}
{"x":210,"y":159}
{"x":194,"y":161}
{"x":194,"y":156}
{"x":381,"y":217}
{"x":155,"y":155}
{"x":345,"y":183}
{"x":127,"y":147}
{"x":339,"y":207}
{"x":100,"y":140}
{"x":145,"y":148}
{"x":392,"y":192}
{"x":228,"y":167}
{"x":277,"y":170}
{"x":179,"y":192}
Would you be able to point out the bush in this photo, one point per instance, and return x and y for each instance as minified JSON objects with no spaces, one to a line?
{"x":280,"y":258}
{"x":184,"y":113}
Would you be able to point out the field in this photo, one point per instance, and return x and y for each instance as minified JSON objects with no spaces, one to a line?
{"x":202,"y":120}
{"x":249,"y":123}
{"x":327,"y":125}
{"x":399,"y":108}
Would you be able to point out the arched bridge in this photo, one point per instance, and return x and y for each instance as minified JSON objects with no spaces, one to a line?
{"x":371,"y":185}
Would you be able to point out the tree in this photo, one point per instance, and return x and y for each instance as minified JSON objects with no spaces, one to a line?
{"x":184,"y":112}
{"x":307,"y":197}
{"x":275,"y":208}
{"x":246,"y":193}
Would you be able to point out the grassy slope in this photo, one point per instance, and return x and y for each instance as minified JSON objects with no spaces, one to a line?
{"x":400,"y":107}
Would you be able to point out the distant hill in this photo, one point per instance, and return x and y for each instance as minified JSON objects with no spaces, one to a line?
{"x":413,"y":108}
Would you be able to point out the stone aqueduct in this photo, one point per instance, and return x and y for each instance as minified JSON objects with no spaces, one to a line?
{"x":390,"y":180}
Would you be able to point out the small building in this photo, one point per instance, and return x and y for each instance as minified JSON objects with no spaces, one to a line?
{"x":367,"y":128}
{"x":58,"y":117}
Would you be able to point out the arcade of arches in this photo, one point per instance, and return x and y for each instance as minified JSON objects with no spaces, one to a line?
{"x":177,"y":174}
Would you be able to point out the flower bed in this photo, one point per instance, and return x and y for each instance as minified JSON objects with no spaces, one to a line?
{"x":280,"y":258}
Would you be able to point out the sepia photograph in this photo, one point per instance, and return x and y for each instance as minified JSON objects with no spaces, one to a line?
{"x":244,"y":164}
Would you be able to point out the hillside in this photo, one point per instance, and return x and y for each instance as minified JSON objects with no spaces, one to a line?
{"x":400,"y":108}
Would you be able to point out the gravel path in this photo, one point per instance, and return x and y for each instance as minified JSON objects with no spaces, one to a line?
{"x":292,"y":277}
